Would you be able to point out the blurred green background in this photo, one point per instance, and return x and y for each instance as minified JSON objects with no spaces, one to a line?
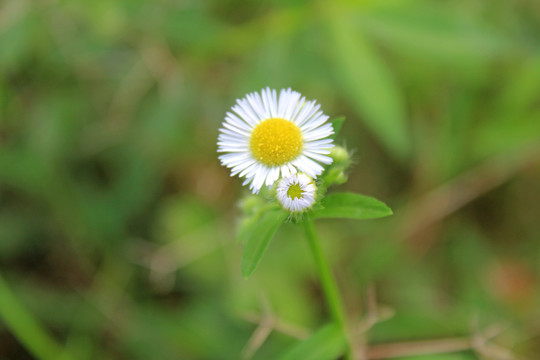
{"x":117,"y":223}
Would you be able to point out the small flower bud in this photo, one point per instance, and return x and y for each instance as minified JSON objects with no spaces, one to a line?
{"x":340,"y":156}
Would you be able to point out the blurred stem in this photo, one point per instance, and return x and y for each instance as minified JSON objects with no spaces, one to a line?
{"x":26,"y":328}
{"x":328,"y":283}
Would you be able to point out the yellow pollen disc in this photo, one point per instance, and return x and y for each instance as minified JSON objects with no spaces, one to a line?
{"x":295,"y":192}
{"x":276,"y":141}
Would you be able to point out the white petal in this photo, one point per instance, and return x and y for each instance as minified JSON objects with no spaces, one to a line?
{"x":320,"y":158}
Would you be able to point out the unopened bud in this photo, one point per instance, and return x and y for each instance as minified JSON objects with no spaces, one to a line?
{"x":340,"y":155}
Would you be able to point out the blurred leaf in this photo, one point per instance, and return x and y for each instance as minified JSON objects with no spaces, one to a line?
{"x":370,"y":86}
{"x":351,"y":206}
{"x":257,"y":237}
{"x":514,"y":121}
{"x":337,"y":123}
{"x":327,"y":343}
{"x":25,"y":327}
{"x":433,"y":33}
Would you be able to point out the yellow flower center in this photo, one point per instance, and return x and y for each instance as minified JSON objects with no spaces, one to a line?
{"x":276,"y":141}
{"x":295,"y":192}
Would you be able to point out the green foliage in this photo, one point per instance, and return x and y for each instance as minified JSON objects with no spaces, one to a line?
{"x":439,"y":34}
{"x":351,"y":206}
{"x":118,"y":226}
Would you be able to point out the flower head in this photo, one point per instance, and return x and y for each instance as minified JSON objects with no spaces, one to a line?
{"x":268,"y":137}
{"x":296,"y":193}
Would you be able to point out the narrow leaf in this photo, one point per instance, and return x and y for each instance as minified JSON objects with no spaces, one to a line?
{"x":438,"y":33}
{"x":328,"y":343}
{"x":369,"y":85}
{"x":351,"y":206}
{"x":257,"y":237}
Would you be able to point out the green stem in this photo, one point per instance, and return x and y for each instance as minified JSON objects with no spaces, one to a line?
{"x":328,"y":283}
{"x":26,"y":328}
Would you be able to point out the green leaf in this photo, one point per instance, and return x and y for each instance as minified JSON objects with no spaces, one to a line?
{"x":351,"y":206}
{"x":437,"y":34}
{"x":328,"y":343}
{"x":257,"y":236}
{"x":369,"y":85}
{"x":337,"y":123}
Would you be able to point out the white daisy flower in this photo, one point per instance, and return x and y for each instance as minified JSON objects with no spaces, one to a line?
{"x":296,"y":192}
{"x":268,"y":137}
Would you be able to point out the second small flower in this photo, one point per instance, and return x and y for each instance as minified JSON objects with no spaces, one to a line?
{"x":297,"y":192}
